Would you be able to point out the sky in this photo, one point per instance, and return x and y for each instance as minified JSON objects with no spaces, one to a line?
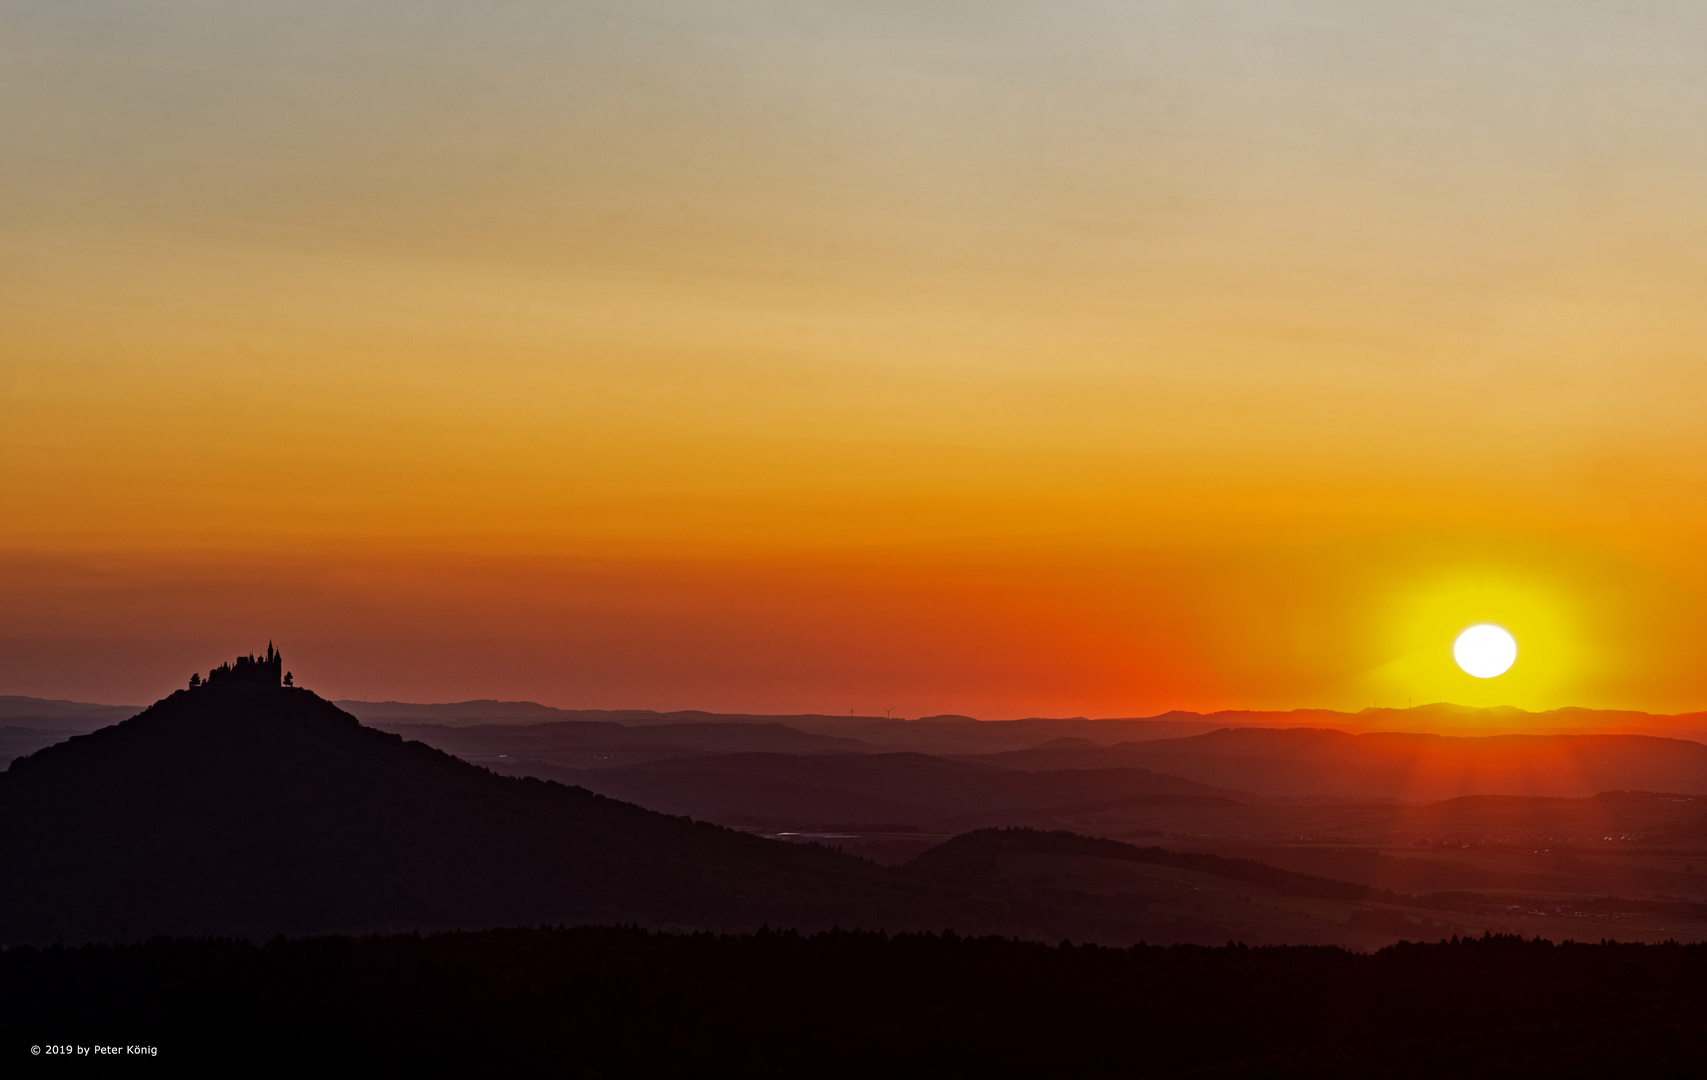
{"x":1082,"y":358}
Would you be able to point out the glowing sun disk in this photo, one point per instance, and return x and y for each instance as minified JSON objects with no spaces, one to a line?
{"x":1485,"y":651}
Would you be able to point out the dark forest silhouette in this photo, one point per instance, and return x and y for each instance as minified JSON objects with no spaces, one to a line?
{"x":621,"y":1002}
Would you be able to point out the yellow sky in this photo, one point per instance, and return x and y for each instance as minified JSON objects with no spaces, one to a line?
{"x":990,"y":357}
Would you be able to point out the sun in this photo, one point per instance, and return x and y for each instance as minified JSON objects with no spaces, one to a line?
{"x":1485,"y":650}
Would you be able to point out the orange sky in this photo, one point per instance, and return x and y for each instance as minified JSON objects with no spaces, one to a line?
{"x":979,"y":357}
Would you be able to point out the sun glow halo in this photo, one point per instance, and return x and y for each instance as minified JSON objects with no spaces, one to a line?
{"x":1485,"y":651}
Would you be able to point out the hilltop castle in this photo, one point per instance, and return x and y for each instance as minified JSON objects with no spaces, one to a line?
{"x":249,"y":671}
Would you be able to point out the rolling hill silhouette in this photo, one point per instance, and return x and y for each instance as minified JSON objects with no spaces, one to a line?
{"x":1418,"y":768}
{"x":248,"y":808}
{"x":954,"y":734}
{"x":252,"y":809}
{"x":743,"y":789}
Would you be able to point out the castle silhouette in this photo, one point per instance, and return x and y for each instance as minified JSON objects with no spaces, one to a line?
{"x":248,"y":671}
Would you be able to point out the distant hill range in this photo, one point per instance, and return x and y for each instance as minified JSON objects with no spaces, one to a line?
{"x":1056,"y":786}
{"x":951,"y":733}
{"x":751,"y":773}
{"x":758,"y":770}
{"x":46,"y":715}
{"x":1442,"y":718}
{"x":246,"y":807}
{"x":27,"y":724}
{"x":1389,"y":765}
{"x":930,"y":734}
{"x":965,"y":734}
{"x":930,"y":793}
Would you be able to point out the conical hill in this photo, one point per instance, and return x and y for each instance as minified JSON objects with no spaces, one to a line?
{"x":251,"y":809}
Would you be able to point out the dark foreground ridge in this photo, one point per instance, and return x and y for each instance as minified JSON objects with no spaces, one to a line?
{"x":242,"y":806}
{"x":622,"y":1002}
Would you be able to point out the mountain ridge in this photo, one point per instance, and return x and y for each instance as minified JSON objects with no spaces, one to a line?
{"x":1434,"y":717}
{"x":1414,"y":766}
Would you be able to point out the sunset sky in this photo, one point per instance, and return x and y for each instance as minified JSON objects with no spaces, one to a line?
{"x":981,"y":357}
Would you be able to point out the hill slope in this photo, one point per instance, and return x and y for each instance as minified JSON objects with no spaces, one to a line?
{"x":253,"y":810}
{"x":1417,"y":768}
{"x":916,"y":789}
{"x":45,"y":715}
